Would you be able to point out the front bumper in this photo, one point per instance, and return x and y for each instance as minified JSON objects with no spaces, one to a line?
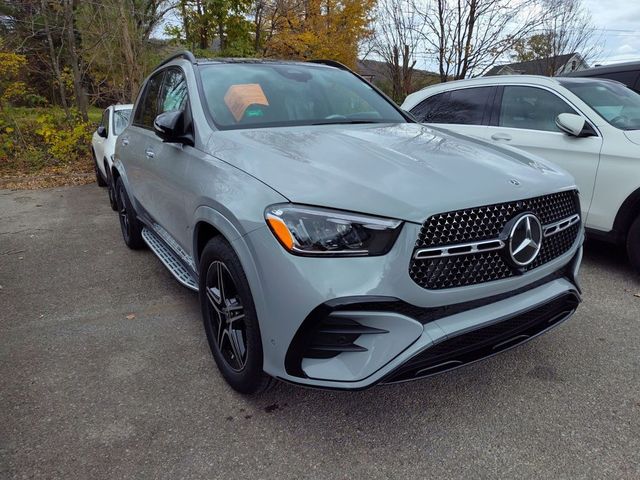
{"x":400,"y":321}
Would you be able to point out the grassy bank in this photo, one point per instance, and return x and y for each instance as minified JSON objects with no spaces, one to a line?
{"x":41,"y":147}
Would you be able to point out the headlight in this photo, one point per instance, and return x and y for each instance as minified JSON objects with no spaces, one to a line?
{"x":318,"y":232}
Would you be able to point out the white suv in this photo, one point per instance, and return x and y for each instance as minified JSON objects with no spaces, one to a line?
{"x":114,"y":120}
{"x":590,"y":127}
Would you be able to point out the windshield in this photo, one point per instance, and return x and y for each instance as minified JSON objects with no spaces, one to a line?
{"x":273,"y":95}
{"x":120,"y":120}
{"x":618,"y":105}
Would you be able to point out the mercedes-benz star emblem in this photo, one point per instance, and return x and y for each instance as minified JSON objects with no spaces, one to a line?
{"x":525,"y":240}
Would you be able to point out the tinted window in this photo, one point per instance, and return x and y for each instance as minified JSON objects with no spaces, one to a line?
{"x":174,"y":91}
{"x":146,"y":111}
{"x":273,"y":94}
{"x":428,"y":110}
{"x":120,"y":120}
{"x":465,"y":107}
{"x":531,"y":108}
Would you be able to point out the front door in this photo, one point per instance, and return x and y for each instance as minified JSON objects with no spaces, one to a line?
{"x":526,"y":119}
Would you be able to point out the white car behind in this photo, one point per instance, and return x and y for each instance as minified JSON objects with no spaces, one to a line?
{"x":103,"y":143}
{"x":590,"y":127}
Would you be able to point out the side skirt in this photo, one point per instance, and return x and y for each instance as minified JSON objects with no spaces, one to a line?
{"x":170,"y":259}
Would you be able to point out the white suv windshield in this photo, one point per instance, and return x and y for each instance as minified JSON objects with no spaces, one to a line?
{"x":618,"y":105}
{"x":120,"y":120}
{"x":266,"y":94}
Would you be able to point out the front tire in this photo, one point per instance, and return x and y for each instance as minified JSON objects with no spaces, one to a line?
{"x":111,"y":189}
{"x":230,"y":319}
{"x":99,"y":179}
{"x":633,"y":244}
{"x":129,"y":223}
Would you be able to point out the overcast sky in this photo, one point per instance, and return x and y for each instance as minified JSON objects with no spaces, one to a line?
{"x":618,"y":22}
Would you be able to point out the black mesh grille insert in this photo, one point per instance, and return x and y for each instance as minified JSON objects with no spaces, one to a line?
{"x":486,"y":223}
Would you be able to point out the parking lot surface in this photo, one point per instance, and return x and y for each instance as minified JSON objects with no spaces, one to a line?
{"x":105,"y":373}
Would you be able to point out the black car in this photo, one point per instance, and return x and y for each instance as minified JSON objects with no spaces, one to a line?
{"x":627,"y":73}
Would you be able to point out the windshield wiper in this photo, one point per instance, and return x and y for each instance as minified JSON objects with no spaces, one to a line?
{"x":346,"y":122}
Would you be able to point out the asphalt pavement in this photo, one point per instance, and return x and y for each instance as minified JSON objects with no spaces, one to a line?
{"x":105,"y":373}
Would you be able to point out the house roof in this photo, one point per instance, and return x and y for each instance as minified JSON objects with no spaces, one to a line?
{"x":533,"y":67}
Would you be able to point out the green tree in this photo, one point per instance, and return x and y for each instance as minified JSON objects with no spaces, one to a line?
{"x":219,"y":25}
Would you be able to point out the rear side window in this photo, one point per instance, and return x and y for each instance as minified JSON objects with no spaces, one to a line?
{"x":531,"y":108}
{"x":464,"y":107}
{"x":147,"y":108}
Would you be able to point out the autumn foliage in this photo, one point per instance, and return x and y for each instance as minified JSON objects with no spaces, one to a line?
{"x":329,"y":29}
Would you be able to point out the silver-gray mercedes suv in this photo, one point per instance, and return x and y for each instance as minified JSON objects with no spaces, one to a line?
{"x":335,"y":242}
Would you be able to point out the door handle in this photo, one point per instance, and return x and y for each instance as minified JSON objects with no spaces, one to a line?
{"x":149,"y":153}
{"x":501,"y":136}
{"x":125,"y":142}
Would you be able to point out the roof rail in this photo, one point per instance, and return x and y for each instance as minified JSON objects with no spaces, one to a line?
{"x":331,"y":63}
{"x":187,"y":55}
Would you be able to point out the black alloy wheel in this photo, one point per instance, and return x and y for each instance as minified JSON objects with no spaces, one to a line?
{"x":230,"y":318}
{"x":129,"y":223}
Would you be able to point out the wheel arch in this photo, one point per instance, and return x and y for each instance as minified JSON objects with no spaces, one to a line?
{"x":627,"y":213}
{"x":209,"y":223}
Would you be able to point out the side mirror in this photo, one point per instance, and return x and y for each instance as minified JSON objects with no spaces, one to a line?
{"x":102,"y":131}
{"x":171,"y":127}
{"x":574,"y":125}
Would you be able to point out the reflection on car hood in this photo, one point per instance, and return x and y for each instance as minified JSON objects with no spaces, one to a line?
{"x":406,"y":171}
{"x":634,"y":136}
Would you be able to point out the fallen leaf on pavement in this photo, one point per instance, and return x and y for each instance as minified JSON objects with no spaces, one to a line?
{"x":131,"y":316}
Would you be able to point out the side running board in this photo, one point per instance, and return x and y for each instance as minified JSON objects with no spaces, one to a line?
{"x":169,"y":259}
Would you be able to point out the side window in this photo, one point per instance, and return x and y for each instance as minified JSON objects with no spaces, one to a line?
{"x":465,"y":107}
{"x":531,"y":108}
{"x":173,"y":95}
{"x":147,"y":108}
{"x":427,"y":110}
{"x":105,"y":121}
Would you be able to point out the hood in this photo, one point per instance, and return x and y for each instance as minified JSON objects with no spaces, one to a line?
{"x":633,"y":135}
{"x":404,"y":171}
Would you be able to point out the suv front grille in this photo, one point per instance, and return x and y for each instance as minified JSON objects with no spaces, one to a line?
{"x":486,"y":223}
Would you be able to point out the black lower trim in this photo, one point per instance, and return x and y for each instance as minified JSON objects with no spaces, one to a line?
{"x":484,"y":342}
{"x":304,"y":337}
{"x":612,"y":236}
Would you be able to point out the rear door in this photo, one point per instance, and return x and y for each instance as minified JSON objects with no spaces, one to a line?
{"x":524,"y":117}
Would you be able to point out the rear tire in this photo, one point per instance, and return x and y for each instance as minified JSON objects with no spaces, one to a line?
{"x":230,"y":319}
{"x":633,"y":244}
{"x":129,"y":223}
